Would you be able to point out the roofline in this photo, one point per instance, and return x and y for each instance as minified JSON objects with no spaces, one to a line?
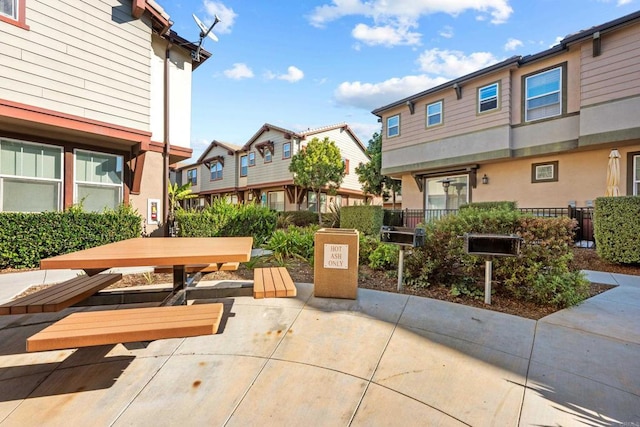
{"x":264,"y":128}
{"x":229,"y":147}
{"x":519,"y":60}
{"x":344,"y":126}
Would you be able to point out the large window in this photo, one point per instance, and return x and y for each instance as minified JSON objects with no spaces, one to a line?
{"x":30,"y":177}
{"x":9,"y":8}
{"x":449,"y":192}
{"x":434,"y":114}
{"x":543,"y":95}
{"x":98,"y":180}
{"x":192,"y":176}
{"x":243,"y":166}
{"x":488,"y":98}
{"x":276,"y":200}
{"x":312,"y":202}
{"x":216,"y":171}
{"x":393,"y":126}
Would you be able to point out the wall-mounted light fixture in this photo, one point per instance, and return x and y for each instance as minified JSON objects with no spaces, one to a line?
{"x":597,"y":44}
{"x":458,"y":90}
{"x":412,"y":106}
{"x":485,"y":179}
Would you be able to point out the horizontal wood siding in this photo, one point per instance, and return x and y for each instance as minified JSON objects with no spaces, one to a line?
{"x":351,"y":151}
{"x":278,"y":169}
{"x":229,"y":171}
{"x":88,"y":59}
{"x":459,"y":116}
{"x":614,"y":73}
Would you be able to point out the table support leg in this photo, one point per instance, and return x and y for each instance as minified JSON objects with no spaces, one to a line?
{"x":179,"y":294}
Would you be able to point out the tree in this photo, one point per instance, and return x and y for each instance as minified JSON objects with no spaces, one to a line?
{"x":317,"y":166}
{"x":373,"y":182}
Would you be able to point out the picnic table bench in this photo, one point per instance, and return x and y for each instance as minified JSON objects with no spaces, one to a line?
{"x":272,"y":282}
{"x":60,"y":295}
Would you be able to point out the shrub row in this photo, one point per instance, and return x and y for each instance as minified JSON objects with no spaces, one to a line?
{"x":365,"y":218}
{"x":26,"y":238}
{"x":617,"y":229}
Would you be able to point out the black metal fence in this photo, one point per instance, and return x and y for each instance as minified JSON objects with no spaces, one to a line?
{"x":584,"y":216}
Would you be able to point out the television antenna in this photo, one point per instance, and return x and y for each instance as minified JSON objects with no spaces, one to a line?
{"x":204,"y":32}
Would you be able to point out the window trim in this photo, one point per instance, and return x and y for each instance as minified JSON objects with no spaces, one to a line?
{"x":534,"y":172}
{"x":633,"y":160}
{"x":284,"y":156}
{"x":251,"y":156}
{"x":497,"y":97}
{"x":397,"y":126}
{"x":441,"y":122}
{"x":20,"y":20}
{"x":563,"y":92}
{"x":218,"y":172}
{"x":191,"y":179}
{"x":245,"y":168}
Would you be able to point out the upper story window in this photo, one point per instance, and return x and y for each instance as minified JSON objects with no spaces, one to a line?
{"x":243,"y":165}
{"x":13,"y":11}
{"x":286,"y":150}
{"x":268,"y":157}
{"x":216,"y":171}
{"x":393,"y":126}
{"x":543,"y":95}
{"x":636,"y":175}
{"x":98,"y":183}
{"x":345,"y":162}
{"x":252,"y":159}
{"x":30,"y":177}
{"x":192,"y":176}
{"x":488,"y":98}
{"x":434,"y":114}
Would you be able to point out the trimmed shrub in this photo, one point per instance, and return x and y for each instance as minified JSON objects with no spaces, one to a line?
{"x":299,"y":218}
{"x":617,"y":229}
{"x":26,"y":238}
{"x":223,"y":219}
{"x":365,"y":218}
{"x":508,"y":205}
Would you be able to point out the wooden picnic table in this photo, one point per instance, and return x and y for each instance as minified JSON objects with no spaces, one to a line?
{"x":178,"y":252}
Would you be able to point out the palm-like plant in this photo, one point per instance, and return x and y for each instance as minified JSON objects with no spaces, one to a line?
{"x":176,"y":194}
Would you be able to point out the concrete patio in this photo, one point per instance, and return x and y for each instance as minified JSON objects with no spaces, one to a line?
{"x":383,"y":359}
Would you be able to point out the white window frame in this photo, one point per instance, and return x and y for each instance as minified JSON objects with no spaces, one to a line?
{"x":393,"y":126}
{"x":76,"y":182}
{"x":192,"y":176}
{"x":440,"y":113}
{"x":484,"y":100}
{"x":252,"y":158}
{"x":244,"y":169}
{"x":216,"y":171}
{"x":527,"y":99}
{"x":16,"y":6}
{"x":286,"y":150}
{"x":59,"y":181}
{"x":268,"y":156}
{"x":636,"y":175}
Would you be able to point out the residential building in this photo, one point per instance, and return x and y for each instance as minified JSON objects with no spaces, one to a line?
{"x":258,"y":171}
{"x":85,"y":115}
{"x":536,"y":129}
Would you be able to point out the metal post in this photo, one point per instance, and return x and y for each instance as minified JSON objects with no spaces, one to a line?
{"x":400,"y":267}
{"x":487,"y":281}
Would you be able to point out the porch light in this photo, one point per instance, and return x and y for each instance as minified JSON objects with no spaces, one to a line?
{"x":485,"y":179}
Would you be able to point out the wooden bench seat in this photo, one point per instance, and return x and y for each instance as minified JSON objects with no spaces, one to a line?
{"x":86,"y":329}
{"x":273,"y":282}
{"x":60,"y":295}
{"x":204,"y":268}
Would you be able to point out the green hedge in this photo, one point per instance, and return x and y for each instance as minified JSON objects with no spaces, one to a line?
{"x":365,"y":218}
{"x":507,"y":205}
{"x":299,"y":218}
{"x":617,"y":229}
{"x":26,"y":238}
{"x":223,"y":219}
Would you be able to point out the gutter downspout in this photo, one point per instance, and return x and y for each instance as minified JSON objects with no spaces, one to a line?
{"x":167,"y":141}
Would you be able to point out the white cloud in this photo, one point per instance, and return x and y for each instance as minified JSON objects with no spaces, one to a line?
{"x":293,"y":75}
{"x":623,"y":2}
{"x":453,"y":63}
{"x":557,"y":41}
{"x":446,"y":32}
{"x":512,"y":44}
{"x":373,"y":95}
{"x":239,"y":71}
{"x":226,"y":14}
{"x":385,"y":35}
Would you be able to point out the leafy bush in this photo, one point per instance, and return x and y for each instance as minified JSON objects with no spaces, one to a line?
{"x":294,"y":242}
{"x":384,"y":257}
{"x":540,"y":274}
{"x":299,"y":218}
{"x":367,"y":245}
{"x":223,"y":219}
{"x":365,"y":218}
{"x":617,"y":229}
{"x":26,"y":238}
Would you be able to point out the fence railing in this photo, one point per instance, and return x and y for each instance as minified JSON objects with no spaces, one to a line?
{"x":584,"y":217}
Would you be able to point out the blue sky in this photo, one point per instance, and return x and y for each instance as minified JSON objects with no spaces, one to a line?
{"x":306,"y":64}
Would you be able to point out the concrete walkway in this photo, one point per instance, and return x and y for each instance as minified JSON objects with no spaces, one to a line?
{"x":382,"y":360}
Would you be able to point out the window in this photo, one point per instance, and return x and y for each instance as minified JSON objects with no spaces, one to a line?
{"x":543,"y":95}
{"x":267,"y":155}
{"x":192,"y":176}
{"x":9,"y":8}
{"x":393,"y":126}
{"x":445,"y":192}
{"x":252,"y":159}
{"x":286,"y":150}
{"x":544,"y":172}
{"x":636,"y":175}
{"x":30,"y":177}
{"x":276,"y":200}
{"x":98,"y":180}
{"x":345,"y":162}
{"x":243,"y":165}
{"x":488,"y":98}
{"x":216,"y":171}
{"x":434,"y":114}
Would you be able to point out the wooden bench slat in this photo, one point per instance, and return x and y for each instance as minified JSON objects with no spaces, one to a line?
{"x":121,"y":326}
{"x":203,"y":268}
{"x":273,"y":282}
{"x":60,"y":295}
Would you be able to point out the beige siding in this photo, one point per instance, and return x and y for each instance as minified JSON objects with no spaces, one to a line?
{"x":614,"y":73}
{"x":275,"y":171}
{"x":350,"y":150}
{"x":229,"y":171}
{"x":88,"y":59}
